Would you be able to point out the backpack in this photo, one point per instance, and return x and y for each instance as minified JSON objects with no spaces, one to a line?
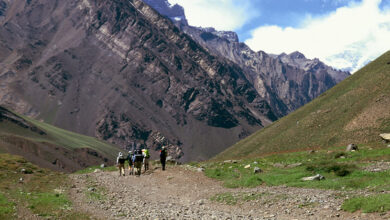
{"x":138,"y":157}
{"x":146,"y":153}
{"x":163,"y":153}
{"x":121,"y":160}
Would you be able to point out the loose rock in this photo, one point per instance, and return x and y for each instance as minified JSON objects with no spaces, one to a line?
{"x":312,"y":178}
{"x":200,"y":169}
{"x":351,"y":147}
{"x":257,"y":170}
{"x":385,"y":137}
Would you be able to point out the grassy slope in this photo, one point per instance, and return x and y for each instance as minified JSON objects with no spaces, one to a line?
{"x":36,"y":191}
{"x":354,"y":111}
{"x":57,"y":136}
{"x":346,"y":172}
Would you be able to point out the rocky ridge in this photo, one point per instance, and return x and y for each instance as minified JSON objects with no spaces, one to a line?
{"x":287,"y":82}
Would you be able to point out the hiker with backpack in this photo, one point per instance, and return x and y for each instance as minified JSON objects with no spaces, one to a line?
{"x":120,"y":162}
{"x":163,"y":157}
{"x":137,"y":161}
{"x":146,"y":155}
{"x":130,"y":161}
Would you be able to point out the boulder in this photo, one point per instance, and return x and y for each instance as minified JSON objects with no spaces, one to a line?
{"x":352,"y":147}
{"x":247,"y":166}
{"x":385,"y":137}
{"x":312,"y":178}
{"x":102,"y":165}
{"x":257,"y":170}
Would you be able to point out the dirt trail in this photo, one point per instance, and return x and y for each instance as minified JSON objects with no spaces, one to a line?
{"x":180,"y":193}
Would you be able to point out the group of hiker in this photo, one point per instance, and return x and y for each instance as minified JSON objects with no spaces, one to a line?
{"x":137,"y":159}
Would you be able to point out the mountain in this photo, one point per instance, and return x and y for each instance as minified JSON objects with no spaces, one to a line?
{"x":49,"y":146}
{"x":354,"y":111}
{"x":287,"y":82}
{"x":119,"y":71}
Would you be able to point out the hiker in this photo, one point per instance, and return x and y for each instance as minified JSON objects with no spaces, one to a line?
{"x":130,"y":161}
{"x":120,"y":162}
{"x":163,"y":157}
{"x":145,"y":153}
{"x":137,"y":161}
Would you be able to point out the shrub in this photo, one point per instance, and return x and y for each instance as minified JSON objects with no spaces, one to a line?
{"x":336,"y":168}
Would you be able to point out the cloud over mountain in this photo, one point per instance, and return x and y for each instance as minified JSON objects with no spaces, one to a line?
{"x":347,"y":38}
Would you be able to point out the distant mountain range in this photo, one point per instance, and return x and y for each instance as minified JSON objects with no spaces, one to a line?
{"x":120,"y":71}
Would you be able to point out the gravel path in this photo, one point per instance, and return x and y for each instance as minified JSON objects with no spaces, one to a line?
{"x":180,"y":193}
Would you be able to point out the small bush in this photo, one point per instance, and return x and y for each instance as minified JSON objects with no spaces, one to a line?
{"x":337,"y":169}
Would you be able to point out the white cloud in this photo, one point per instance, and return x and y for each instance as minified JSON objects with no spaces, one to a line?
{"x":220,"y":14}
{"x":347,"y":38}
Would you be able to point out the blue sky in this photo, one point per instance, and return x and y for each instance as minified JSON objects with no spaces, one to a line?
{"x":345,"y":34}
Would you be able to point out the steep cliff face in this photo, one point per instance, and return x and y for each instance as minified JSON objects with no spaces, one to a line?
{"x":120,"y":71}
{"x":286,"y":81}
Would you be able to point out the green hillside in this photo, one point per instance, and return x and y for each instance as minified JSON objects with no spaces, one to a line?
{"x":42,"y":143}
{"x":357,"y":110}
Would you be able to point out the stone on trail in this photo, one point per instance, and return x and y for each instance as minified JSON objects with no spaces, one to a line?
{"x":385,"y":137}
{"x":96,"y":171}
{"x":312,"y":178}
{"x":247,"y":166}
{"x":257,"y":170}
{"x":352,"y":147}
{"x":200,"y":169}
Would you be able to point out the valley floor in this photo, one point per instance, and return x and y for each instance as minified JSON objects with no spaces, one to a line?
{"x":183,"y":193}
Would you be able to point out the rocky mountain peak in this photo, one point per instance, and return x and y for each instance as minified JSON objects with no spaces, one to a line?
{"x":174,"y":12}
{"x":296,"y":55}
